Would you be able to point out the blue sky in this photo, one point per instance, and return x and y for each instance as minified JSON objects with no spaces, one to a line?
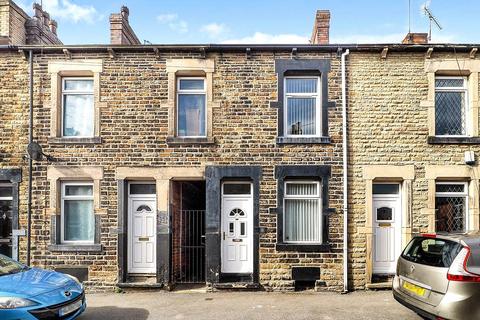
{"x":261,"y":21}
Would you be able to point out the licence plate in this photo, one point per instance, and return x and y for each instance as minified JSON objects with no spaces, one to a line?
{"x":70,"y":308}
{"x":413,"y":288}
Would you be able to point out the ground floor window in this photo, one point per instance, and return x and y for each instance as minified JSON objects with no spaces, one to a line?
{"x":451,"y":205}
{"x":77,"y":216}
{"x":303,"y":214}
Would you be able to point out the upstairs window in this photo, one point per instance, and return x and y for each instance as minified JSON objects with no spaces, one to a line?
{"x":451,"y":203}
{"x":303,"y":214}
{"x":191,"y":107}
{"x":78,"y":114}
{"x":451,"y":106}
{"x":302,"y":106}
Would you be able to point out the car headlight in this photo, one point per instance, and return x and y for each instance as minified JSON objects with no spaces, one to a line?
{"x":14,"y":302}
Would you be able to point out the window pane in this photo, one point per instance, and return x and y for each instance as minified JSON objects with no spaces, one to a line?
{"x":385,"y":188}
{"x":450,"y":113}
{"x":301,"y":116}
{"x":432,"y":252}
{"x":302,"y":220}
{"x":450,"y":214}
{"x":450,"y":188}
{"x":191,"y":84}
{"x":72,"y":190}
{"x":78,"y":116}
{"x":79,"y":85}
{"x":191,"y":115}
{"x":142,"y":189}
{"x":301,"y":189}
{"x":236,"y":188}
{"x":384,"y":214}
{"x":78,"y":220}
{"x":441,"y":83}
{"x":5,"y":191}
{"x":300,"y":85}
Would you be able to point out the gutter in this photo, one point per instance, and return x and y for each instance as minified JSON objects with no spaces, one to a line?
{"x":345,"y":173}
{"x":30,"y":160}
{"x":395,"y":47}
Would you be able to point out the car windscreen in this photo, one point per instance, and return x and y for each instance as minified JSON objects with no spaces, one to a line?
{"x":432,"y":251}
{"x":9,"y":266}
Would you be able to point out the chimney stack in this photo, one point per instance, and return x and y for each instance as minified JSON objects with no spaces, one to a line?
{"x":120,"y":31}
{"x":321,"y":28}
{"x":415,"y":38}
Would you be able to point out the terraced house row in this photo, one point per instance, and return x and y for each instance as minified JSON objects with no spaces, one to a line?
{"x":275,"y":167}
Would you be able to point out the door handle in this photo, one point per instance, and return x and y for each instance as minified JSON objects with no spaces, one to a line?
{"x":223,"y":235}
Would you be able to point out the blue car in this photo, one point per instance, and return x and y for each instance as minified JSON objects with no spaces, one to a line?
{"x":31,"y":293}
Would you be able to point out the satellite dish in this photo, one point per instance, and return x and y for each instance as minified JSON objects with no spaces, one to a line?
{"x":35,"y":152}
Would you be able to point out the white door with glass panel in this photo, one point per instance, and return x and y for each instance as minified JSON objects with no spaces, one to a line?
{"x":142,"y":227}
{"x":387,"y":224}
{"x":237,"y":228}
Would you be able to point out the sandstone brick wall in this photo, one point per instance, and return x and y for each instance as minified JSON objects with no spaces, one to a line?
{"x":134,"y":129}
{"x":387,"y":125}
{"x":14,"y":123}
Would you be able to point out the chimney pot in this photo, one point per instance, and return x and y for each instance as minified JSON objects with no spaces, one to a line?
{"x":37,"y":11}
{"x":321,"y":28}
{"x":53,"y":26}
{"x":46,"y":18}
{"x":125,"y":12}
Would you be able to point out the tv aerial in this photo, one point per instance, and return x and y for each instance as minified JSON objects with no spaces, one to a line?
{"x":432,"y":19}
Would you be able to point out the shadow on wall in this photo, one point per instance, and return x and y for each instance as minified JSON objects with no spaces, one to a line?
{"x":114,"y":313}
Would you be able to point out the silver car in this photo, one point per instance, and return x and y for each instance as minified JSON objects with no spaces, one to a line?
{"x":438,"y":276}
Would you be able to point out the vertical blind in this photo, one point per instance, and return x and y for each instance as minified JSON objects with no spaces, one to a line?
{"x":301,"y":105}
{"x":302,"y":213}
{"x":77,"y":213}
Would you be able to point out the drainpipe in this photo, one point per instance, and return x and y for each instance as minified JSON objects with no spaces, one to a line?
{"x":345,"y":173}
{"x":30,"y":160}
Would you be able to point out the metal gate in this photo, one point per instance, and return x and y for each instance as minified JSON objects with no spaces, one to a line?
{"x":192,"y":247}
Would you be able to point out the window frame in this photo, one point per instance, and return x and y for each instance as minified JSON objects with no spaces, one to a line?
{"x":317,"y":196}
{"x":64,"y":197}
{"x":179,"y":91}
{"x":466,"y":111}
{"x":64,"y":92}
{"x":9,"y":185}
{"x":455,"y":194}
{"x":247,"y":195}
{"x":318,"y":105}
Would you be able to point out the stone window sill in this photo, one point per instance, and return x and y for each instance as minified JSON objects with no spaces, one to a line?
{"x":294,"y":247}
{"x":73,"y":140}
{"x":75,"y":248}
{"x":453,"y":140}
{"x":300,"y":140}
{"x":176,"y":141}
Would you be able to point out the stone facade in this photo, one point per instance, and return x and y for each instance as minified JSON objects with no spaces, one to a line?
{"x":134,"y":130}
{"x":388,"y":133}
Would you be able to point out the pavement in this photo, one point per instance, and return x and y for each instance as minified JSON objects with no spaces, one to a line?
{"x":245,"y":305}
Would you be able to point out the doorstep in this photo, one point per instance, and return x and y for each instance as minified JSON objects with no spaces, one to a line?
{"x":236,"y":286}
{"x":139,"y":285}
{"x":379,"y":285}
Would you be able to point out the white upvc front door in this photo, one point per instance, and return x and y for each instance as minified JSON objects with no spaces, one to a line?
{"x":387,"y":224}
{"x":237,"y":234}
{"x":142,"y":227}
